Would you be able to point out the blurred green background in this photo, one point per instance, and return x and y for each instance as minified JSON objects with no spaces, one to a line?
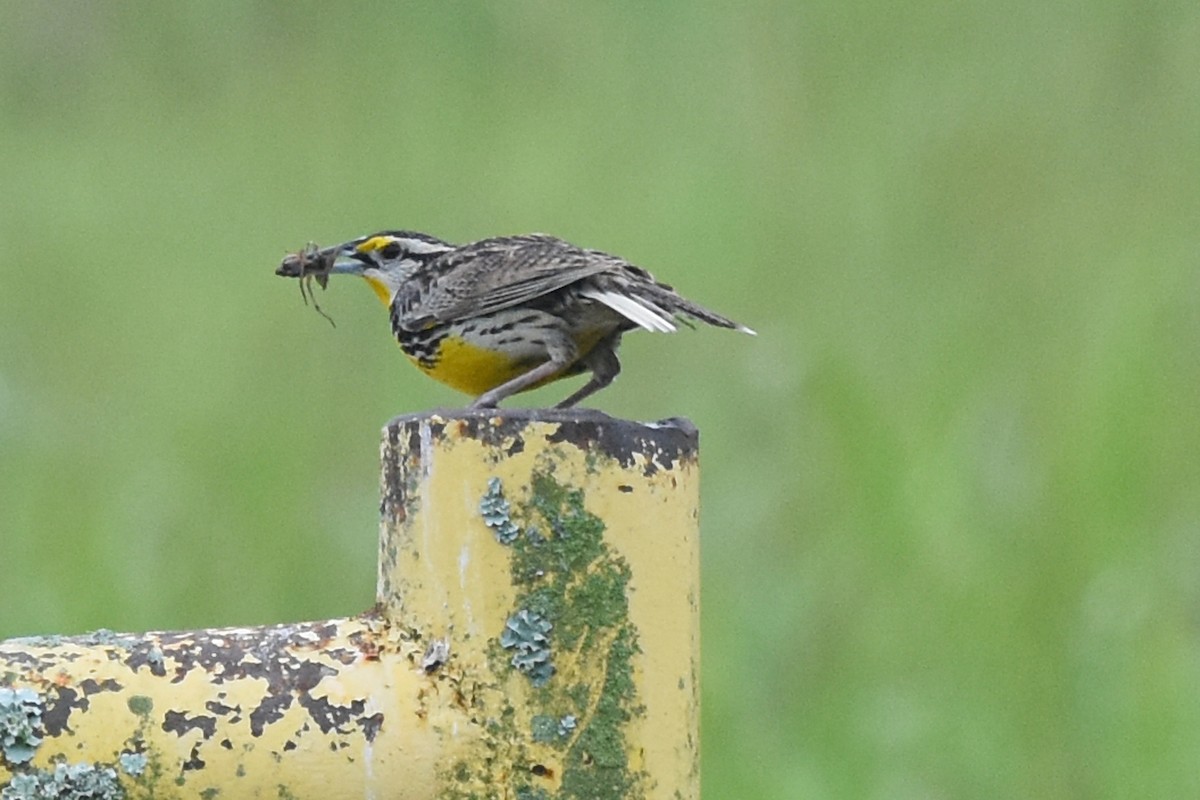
{"x":952,"y":491}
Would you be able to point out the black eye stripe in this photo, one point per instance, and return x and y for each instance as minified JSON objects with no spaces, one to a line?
{"x":391,"y":250}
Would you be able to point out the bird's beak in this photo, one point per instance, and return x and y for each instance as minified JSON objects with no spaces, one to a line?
{"x":341,"y":259}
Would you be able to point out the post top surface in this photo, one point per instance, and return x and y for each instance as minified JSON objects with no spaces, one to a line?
{"x":552,"y":415}
{"x":594,"y":431}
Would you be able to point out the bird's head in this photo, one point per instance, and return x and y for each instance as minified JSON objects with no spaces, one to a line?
{"x":385,"y":260}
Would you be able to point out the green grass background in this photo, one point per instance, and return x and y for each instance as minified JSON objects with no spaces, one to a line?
{"x":951,"y":512}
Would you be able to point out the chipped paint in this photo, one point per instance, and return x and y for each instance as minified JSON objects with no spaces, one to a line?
{"x":436,"y":654}
{"x":600,"y":556}
{"x":576,"y":579}
{"x":242,"y":703}
{"x":572,"y":671}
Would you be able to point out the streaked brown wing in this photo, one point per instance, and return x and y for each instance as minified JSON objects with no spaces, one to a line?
{"x":492,"y":274}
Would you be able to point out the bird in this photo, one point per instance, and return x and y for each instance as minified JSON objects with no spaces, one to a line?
{"x":506,"y":314}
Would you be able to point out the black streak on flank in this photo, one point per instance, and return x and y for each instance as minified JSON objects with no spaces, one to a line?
{"x":179,"y":723}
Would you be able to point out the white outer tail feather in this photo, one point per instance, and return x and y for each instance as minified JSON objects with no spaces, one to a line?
{"x":642,"y":312}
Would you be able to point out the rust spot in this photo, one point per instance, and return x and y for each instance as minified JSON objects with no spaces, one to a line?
{"x":422,"y":709}
{"x":368,"y":647}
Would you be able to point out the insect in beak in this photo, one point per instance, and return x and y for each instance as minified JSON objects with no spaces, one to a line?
{"x":309,"y":265}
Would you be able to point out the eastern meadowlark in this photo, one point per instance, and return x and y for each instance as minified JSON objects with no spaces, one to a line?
{"x":507,"y":314}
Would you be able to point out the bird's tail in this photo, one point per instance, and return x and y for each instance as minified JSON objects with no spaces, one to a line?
{"x":654,"y":306}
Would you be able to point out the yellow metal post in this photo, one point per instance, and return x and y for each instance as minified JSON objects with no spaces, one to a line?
{"x":572,"y":612}
{"x":536,"y":636}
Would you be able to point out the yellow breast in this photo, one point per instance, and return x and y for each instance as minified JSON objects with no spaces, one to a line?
{"x":473,"y":367}
{"x":475,"y":363}
{"x":470,"y":368}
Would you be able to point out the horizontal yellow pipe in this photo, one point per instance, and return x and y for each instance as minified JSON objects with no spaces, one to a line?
{"x":243,"y":711}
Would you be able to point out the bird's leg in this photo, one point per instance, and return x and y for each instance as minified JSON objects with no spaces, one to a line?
{"x":605,"y":367}
{"x":541,"y":372}
{"x":561,"y":352}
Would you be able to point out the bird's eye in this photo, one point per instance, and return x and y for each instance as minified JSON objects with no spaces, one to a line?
{"x":391,"y":250}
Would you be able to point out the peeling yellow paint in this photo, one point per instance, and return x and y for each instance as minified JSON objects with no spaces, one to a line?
{"x":247,"y":708}
{"x":450,"y":568}
{"x":420,"y":697}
